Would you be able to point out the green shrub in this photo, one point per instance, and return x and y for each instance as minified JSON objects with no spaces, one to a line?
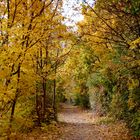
{"x":82,"y":100}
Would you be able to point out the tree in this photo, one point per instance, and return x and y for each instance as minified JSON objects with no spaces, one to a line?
{"x":110,"y":28}
{"x":31,"y":32}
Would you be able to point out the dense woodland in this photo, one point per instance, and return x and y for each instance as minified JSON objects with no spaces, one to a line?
{"x":44,"y":62}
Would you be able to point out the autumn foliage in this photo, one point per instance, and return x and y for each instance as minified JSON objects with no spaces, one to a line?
{"x":42,"y":62}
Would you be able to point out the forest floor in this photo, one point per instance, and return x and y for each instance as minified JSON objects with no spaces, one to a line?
{"x":78,"y":124}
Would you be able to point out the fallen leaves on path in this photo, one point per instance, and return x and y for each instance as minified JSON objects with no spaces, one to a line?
{"x":77,"y":124}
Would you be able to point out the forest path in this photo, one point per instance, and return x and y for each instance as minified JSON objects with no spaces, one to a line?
{"x":78,"y":124}
{"x":75,"y":115}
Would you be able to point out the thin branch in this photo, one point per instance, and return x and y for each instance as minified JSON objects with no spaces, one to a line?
{"x":102,"y":19}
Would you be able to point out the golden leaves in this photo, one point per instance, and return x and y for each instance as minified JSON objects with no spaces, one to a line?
{"x":133,"y":83}
{"x":135,"y":44}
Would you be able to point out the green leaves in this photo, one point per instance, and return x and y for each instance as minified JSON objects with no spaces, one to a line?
{"x":111,"y":30}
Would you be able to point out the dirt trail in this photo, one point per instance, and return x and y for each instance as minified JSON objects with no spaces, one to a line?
{"x":77,"y":124}
{"x":74,"y":114}
{"x":80,"y":124}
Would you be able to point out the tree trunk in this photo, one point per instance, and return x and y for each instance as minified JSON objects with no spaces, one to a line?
{"x":37,"y":110}
{"x":8,"y":22}
{"x":14,"y":105}
{"x":37,"y":104}
{"x":54,"y":100}
{"x":54,"y":88}
{"x":44,"y":99}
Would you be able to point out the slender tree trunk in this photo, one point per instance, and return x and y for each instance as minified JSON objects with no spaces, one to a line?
{"x":8,"y":22}
{"x":37,"y":109}
{"x":44,"y":85}
{"x":54,"y":88}
{"x":54,"y":100}
{"x":11,"y":118}
{"x":44,"y":99}
{"x":14,"y":105}
{"x":37,"y":104}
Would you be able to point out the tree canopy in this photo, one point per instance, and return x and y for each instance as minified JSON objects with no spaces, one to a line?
{"x":43,"y":62}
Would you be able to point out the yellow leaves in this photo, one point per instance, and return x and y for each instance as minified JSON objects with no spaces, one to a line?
{"x":7,"y":95}
{"x":25,"y":70}
{"x":132,"y":46}
{"x":3,"y":74}
{"x":52,"y":77}
{"x":135,"y":44}
{"x":15,"y":50}
{"x":10,"y":94}
{"x":77,"y":89}
{"x":101,"y":50}
{"x":137,"y":41}
{"x":133,"y":83}
{"x":47,"y":68}
{"x":97,"y":63}
{"x":131,"y":103}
